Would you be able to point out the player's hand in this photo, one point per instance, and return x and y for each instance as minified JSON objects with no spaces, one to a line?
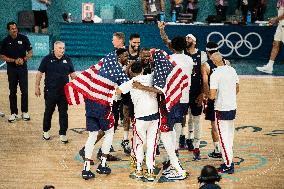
{"x":273,"y":20}
{"x":200,"y":99}
{"x":161,"y":25}
{"x":19,"y":61}
{"x":37,"y":91}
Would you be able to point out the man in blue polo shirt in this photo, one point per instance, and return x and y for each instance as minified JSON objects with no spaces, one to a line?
{"x":57,"y":67}
{"x":16,"y":50}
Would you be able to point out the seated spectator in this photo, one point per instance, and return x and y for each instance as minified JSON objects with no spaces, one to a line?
{"x":153,"y":6}
{"x":192,"y":8}
{"x":221,"y":8}
{"x":209,"y":175}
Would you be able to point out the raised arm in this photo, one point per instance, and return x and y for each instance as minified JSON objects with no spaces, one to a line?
{"x":165,"y":38}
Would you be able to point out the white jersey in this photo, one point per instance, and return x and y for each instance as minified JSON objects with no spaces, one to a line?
{"x":145,"y":103}
{"x":224,"y":79}
{"x":186,"y":64}
{"x":280,"y":13}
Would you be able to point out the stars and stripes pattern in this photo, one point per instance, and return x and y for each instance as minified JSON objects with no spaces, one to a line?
{"x":97,"y":83}
{"x":169,"y":78}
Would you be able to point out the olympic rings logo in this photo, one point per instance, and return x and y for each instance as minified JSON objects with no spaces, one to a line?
{"x":235,"y":47}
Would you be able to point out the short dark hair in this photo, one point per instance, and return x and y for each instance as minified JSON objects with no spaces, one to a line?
{"x":136,"y":67}
{"x":9,"y":24}
{"x":120,"y":51}
{"x":211,"y":47}
{"x":178,"y":43}
{"x":209,"y":174}
{"x":119,"y":35}
{"x":134,"y":35}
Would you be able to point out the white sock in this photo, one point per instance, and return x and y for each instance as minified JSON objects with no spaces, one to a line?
{"x":139,"y":167}
{"x":87,"y":166}
{"x":104,"y":161}
{"x":270,"y":63}
{"x":125,"y":135}
{"x":217,"y":147}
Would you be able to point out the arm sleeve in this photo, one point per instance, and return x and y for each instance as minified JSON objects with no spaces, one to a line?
{"x":237,"y":78}
{"x":28,"y":45}
{"x":71,"y":68}
{"x":213,"y":81}
{"x":42,"y":66}
{"x":126,"y":86}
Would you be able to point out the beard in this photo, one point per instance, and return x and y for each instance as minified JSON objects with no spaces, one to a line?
{"x":188,"y":45}
{"x":134,"y":48}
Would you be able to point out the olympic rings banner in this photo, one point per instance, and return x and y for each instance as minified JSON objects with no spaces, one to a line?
{"x":235,"y":42}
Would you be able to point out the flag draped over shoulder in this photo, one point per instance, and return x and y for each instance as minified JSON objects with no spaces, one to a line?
{"x":169,"y":78}
{"x":96,"y":83}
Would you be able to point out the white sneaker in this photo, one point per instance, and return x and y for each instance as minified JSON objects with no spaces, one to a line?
{"x":265,"y":69}
{"x":2,"y":114}
{"x":46,"y":136}
{"x":174,"y":175}
{"x":13,"y":118}
{"x":168,"y":170}
{"x":26,"y":116}
{"x":64,"y":139}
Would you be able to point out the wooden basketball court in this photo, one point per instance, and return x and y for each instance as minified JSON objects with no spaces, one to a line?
{"x":29,"y":162}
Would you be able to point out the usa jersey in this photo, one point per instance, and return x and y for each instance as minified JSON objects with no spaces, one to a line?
{"x":211,"y":67}
{"x":196,"y":77}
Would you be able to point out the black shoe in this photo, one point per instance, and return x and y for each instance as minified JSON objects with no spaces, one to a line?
{"x":189,"y":143}
{"x":196,"y":154}
{"x":82,"y":154}
{"x":109,"y":156}
{"x":166,"y":164}
{"x":182,"y":141}
{"x":125,"y":146}
{"x":224,"y":169}
{"x":158,"y":151}
{"x":215,"y":155}
{"x":103,"y":170}
{"x":111,"y":149}
{"x":87,"y":175}
{"x":177,"y":153}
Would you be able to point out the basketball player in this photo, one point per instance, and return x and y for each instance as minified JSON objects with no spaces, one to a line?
{"x":147,"y":118}
{"x":207,"y":69}
{"x":278,"y":37}
{"x":224,"y":86}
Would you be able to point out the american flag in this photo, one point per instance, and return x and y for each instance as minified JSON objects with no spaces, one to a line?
{"x":169,"y":78}
{"x":97,"y":83}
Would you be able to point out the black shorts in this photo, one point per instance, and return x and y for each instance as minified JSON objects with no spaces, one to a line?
{"x":177,"y":114}
{"x":209,"y":110}
{"x":96,"y":124}
{"x":195,"y":110}
{"x":127,"y":101}
{"x":225,"y":115}
{"x":41,"y":19}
